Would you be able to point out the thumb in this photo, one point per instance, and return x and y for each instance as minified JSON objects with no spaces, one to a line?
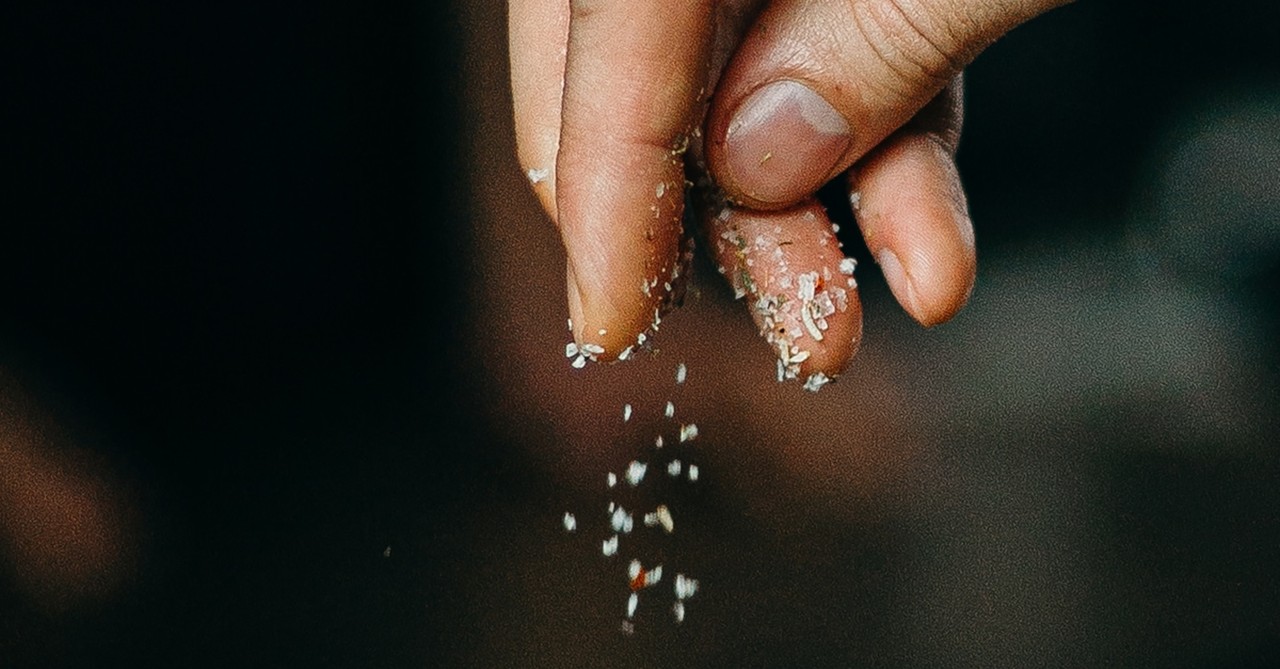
{"x":817,"y":84}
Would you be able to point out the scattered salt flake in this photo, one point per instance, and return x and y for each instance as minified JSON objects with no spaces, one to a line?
{"x":677,"y":610}
{"x":593,"y":349}
{"x":693,"y":473}
{"x":681,"y":373}
{"x":685,"y":587}
{"x":579,"y":362}
{"x":670,"y":410}
{"x":635,"y":472}
{"x":625,"y":353}
{"x":688,"y":432}
{"x":570,"y":522}
{"x":570,"y":349}
{"x":621,"y":521}
{"x":816,"y":381}
{"x":538,"y":176}
{"x":626,"y":412}
{"x":664,"y":518}
{"x":673,"y":468}
{"x":610,"y":546}
{"x":632,"y":602}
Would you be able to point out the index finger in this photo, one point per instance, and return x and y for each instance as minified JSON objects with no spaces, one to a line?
{"x":634,"y":76}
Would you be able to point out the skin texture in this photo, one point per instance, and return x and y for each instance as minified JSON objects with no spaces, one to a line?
{"x":757,"y":104}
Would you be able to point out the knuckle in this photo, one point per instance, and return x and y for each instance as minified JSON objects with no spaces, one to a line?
{"x":915,"y":46}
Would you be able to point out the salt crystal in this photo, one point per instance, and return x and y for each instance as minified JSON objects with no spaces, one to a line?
{"x":816,"y":381}
{"x":681,"y":373}
{"x":670,"y":411}
{"x":626,"y":412}
{"x":635,"y":472}
{"x":538,"y":176}
{"x":570,"y":522}
{"x":688,"y":432}
{"x":693,"y":473}
{"x":673,"y":468}
{"x":610,"y":546}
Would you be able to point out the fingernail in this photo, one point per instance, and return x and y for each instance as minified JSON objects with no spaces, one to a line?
{"x":783,"y":142}
{"x":899,"y":282}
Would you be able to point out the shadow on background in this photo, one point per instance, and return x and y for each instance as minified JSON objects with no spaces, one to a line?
{"x":279,"y":351}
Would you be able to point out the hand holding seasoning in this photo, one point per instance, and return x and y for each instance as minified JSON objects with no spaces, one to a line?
{"x":758,"y":103}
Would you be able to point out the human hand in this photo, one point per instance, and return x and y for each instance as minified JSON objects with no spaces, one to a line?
{"x":609,"y":95}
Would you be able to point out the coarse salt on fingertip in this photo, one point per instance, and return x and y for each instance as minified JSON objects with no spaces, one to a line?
{"x":537,"y":176}
{"x":816,"y":381}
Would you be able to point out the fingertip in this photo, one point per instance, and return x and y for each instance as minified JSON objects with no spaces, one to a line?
{"x":914,"y":217}
{"x":798,"y":285}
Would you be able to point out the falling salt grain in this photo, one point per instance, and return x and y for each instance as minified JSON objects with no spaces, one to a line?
{"x":664,"y":518}
{"x":657,"y":442}
{"x":681,"y":373}
{"x":611,"y":479}
{"x":635,"y":472}
{"x":688,"y":432}
{"x":685,"y":587}
{"x":626,"y":412}
{"x":677,"y":610}
{"x":671,"y":410}
{"x":633,"y":570}
{"x":610,"y":546}
{"x":632,"y":602}
{"x":673,"y":468}
{"x":570,"y":522}
{"x":693,"y":473}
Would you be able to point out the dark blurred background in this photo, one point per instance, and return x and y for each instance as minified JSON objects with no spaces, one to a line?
{"x":250,"y":415}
